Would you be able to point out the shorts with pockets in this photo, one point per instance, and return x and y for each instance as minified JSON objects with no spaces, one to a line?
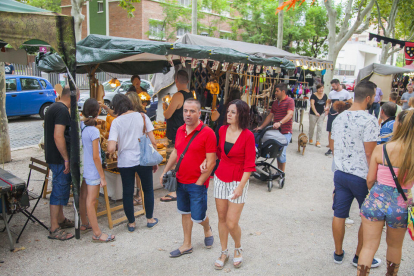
{"x":60,"y":185}
{"x":192,"y":199}
{"x":222,"y":190}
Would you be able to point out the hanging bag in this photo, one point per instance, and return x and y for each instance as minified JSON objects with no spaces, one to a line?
{"x":169,"y":180}
{"x":149,"y":156}
{"x":410,"y":208}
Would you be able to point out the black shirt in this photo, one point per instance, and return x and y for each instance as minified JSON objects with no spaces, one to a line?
{"x":227,"y":147}
{"x":57,"y":114}
{"x":177,"y":119}
{"x":319,"y":104}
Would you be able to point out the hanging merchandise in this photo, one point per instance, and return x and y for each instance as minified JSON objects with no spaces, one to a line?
{"x":258,"y":69}
{"x":182,"y":59}
{"x":204,"y":63}
{"x":250,"y":68}
{"x":241,"y":68}
{"x":194,"y":63}
{"x":215,"y":65}
{"x":169,"y":59}
{"x":409,"y":53}
{"x":234,"y":68}
{"x":225,"y":66}
{"x":300,"y":90}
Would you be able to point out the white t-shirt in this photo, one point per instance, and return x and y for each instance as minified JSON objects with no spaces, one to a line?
{"x":126,"y":129}
{"x":334,"y":96}
{"x":350,"y":130}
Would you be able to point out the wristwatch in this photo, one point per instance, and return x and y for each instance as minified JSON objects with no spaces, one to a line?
{"x":280,"y":122}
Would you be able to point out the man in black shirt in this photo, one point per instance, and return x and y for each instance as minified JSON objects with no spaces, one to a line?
{"x":57,"y":144}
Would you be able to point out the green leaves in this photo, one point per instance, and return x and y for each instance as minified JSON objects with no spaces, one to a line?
{"x":128,"y":6}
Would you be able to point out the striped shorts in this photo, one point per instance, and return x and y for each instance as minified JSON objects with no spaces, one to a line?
{"x":223,"y":189}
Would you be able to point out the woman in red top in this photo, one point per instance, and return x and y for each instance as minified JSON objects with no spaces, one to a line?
{"x":237,"y":155}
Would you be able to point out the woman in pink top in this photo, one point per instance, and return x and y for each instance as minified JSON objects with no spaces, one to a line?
{"x":384,"y":203}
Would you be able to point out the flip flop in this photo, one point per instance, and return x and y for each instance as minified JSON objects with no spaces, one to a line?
{"x":177,"y":253}
{"x":171,"y":198}
{"x":137,"y":201}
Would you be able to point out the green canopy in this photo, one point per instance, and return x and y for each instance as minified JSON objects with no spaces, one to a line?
{"x":136,"y":56}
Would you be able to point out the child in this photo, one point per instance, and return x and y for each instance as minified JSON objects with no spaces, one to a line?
{"x":93,"y":175}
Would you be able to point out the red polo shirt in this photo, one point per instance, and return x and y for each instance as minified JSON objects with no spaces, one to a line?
{"x":279,"y":110}
{"x":205,"y":142}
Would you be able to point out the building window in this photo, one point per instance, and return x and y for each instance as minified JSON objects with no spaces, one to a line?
{"x":155,"y":30}
{"x":184,"y":3}
{"x":225,"y":35}
{"x":181,"y":32}
{"x":100,"y":6}
{"x":225,"y":13}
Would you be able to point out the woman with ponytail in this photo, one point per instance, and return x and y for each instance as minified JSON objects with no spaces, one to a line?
{"x":93,"y":175}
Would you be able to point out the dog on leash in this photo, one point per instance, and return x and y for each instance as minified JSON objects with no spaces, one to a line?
{"x":302,"y":140}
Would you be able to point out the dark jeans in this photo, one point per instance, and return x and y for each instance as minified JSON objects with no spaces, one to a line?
{"x":375,"y":108}
{"x":128,"y":183}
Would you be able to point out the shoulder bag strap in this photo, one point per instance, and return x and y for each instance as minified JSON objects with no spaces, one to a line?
{"x":400,"y":190}
{"x":144,"y":130}
{"x":182,"y":155}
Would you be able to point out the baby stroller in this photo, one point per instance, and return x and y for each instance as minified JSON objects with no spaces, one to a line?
{"x":269,"y":146}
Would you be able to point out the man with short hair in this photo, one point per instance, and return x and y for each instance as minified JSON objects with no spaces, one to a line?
{"x":173,"y":113}
{"x":375,"y":108}
{"x":354,"y":137}
{"x":337,"y":94}
{"x":8,"y":68}
{"x":387,"y":114}
{"x":406,"y":96}
{"x":57,"y":145}
{"x":192,"y":184}
{"x":281,"y":113}
{"x":393,"y":98}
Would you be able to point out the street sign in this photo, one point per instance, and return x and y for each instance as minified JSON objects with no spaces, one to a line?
{"x":42,"y":49}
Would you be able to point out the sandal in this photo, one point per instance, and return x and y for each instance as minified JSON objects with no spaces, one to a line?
{"x":59,"y":234}
{"x":219,"y":264}
{"x":97,"y":239}
{"x":67,"y":223}
{"x":137,"y":201}
{"x":87,"y":228}
{"x":238,"y":260}
{"x":169,"y":198}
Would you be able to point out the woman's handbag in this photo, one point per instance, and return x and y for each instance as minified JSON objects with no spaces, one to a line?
{"x":149,"y":156}
{"x":169,"y":180}
{"x":410,"y":208}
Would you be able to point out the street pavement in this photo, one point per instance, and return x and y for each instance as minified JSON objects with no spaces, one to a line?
{"x":25,"y":131}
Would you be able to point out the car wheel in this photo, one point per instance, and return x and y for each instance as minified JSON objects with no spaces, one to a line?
{"x":103,"y":111}
{"x":43,"y":110}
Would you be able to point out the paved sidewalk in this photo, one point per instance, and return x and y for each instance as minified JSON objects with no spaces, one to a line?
{"x":25,"y":131}
{"x":284,"y":232}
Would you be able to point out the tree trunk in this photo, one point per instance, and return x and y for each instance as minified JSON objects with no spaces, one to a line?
{"x":78,"y":17}
{"x":385,"y":53}
{"x":5,"y":153}
{"x":280,"y":28}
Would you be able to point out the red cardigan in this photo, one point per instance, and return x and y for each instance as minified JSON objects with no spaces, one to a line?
{"x":240,"y":159}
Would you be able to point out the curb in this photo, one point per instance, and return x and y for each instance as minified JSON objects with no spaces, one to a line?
{"x":25,"y":147}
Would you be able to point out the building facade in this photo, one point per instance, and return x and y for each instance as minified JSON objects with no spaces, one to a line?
{"x":105,"y":17}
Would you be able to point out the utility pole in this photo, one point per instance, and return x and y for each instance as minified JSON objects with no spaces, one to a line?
{"x":194,"y":18}
{"x":280,"y":27}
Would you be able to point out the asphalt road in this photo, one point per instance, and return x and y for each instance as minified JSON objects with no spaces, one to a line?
{"x":25,"y":131}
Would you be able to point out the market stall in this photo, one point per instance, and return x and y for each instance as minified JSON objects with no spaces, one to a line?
{"x":382,"y":75}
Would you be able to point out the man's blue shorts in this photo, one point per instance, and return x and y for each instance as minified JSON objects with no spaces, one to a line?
{"x":60,"y":185}
{"x":347,"y":187}
{"x":282,"y":157}
{"x":192,"y":199}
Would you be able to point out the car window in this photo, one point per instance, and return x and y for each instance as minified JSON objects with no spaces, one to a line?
{"x":11,"y":85}
{"x":125,"y":86}
{"x":108,"y":87}
{"x":30,"y":84}
{"x":145,"y":85}
{"x":43,"y":83}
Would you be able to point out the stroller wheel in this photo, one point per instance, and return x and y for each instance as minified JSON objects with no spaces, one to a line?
{"x":281,"y":183}
{"x":269,"y":185}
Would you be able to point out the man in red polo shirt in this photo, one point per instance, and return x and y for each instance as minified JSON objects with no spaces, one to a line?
{"x":192,"y":184}
{"x":281,"y":113}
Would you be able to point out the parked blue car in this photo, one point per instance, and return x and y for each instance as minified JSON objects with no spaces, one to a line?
{"x":27,"y":95}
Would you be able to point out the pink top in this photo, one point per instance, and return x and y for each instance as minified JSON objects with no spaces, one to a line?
{"x":384,"y":175}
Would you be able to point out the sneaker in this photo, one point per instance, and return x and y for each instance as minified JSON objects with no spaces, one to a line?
{"x":375,"y":262}
{"x":318,"y":144}
{"x":349,"y":221}
{"x":329,"y":152}
{"x":310,"y":142}
{"x":339,"y":258}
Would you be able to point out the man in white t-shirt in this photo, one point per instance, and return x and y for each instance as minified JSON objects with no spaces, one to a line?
{"x":354,"y":136}
{"x":337,"y":94}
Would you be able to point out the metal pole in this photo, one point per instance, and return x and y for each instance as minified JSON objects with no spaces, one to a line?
{"x":280,"y":27}
{"x":194,"y":18}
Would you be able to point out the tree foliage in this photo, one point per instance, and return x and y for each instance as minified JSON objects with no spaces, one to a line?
{"x":50,"y":5}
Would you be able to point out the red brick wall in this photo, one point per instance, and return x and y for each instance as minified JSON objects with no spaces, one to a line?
{"x":123,"y":26}
{"x":67,"y":11}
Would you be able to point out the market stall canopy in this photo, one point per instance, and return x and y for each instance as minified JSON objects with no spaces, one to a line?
{"x":380,"y":69}
{"x":136,"y":56}
{"x":258,"y":50}
{"x":23,"y":24}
